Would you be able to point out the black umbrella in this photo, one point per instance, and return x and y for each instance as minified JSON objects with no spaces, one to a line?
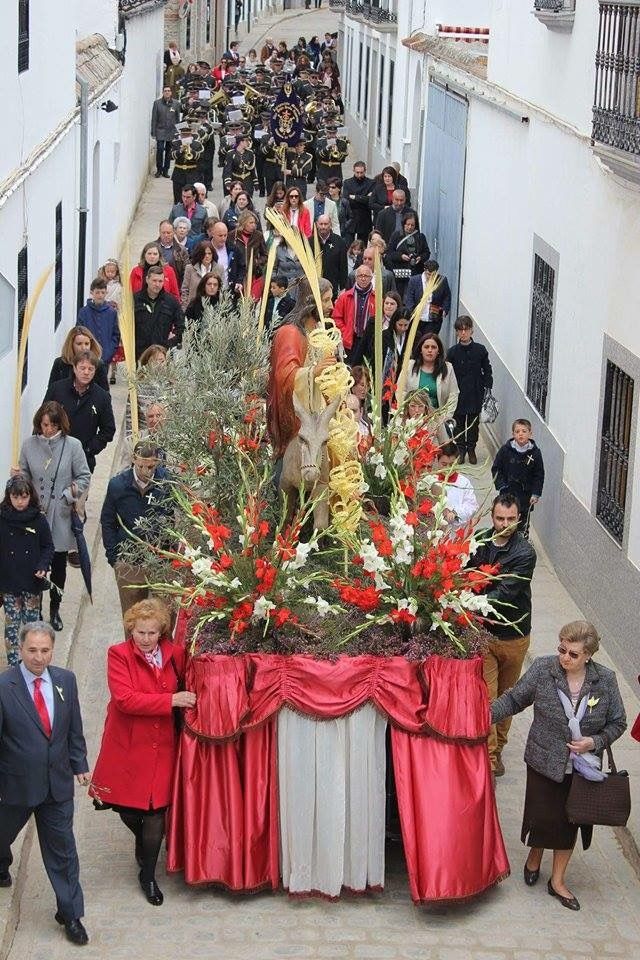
{"x":77,"y":525}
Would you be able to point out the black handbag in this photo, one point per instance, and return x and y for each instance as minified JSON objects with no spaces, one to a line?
{"x":604,"y":803}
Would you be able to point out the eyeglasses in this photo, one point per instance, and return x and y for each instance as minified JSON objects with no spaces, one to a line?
{"x":572,"y":653}
{"x":294,"y":196}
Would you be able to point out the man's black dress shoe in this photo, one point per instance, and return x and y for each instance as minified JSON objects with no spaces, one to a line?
{"x":56,"y":621}
{"x":5,"y":879}
{"x":569,"y":902}
{"x":74,"y":930}
{"x":531,"y":877}
{"x":152,"y":891}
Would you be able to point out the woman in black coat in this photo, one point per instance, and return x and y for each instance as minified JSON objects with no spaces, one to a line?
{"x":385,"y":183}
{"x":26,"y":552}
{"x":78,"y":340}
{"x":407,"y":253}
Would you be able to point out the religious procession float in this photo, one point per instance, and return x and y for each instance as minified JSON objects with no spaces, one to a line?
{"x":333,"y":618}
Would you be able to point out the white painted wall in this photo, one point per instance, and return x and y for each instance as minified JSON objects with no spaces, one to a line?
{"x":37,"y":100}
{"x":35,"y":103}
{"x":551,"y":68}
{"x":96,"y":16}
{"x":464,"y":13}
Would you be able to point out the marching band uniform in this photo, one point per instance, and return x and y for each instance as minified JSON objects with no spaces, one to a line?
{"x":329,"y":158}
{"x":241,"y":167}
{"x":300,"y":166}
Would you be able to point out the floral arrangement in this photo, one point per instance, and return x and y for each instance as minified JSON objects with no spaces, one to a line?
{"x":402,"y":454}
{"x":412,"y":572}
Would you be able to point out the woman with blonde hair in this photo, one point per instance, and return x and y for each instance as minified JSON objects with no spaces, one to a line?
{"x":135,"y":766}
{"x":78,"y":340}
{"x":578,"y":713}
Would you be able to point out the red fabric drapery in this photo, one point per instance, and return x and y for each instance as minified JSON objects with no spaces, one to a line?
{"x":224,"y":820}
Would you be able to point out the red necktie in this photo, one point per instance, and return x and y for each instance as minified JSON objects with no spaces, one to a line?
{"x":41,"y":706}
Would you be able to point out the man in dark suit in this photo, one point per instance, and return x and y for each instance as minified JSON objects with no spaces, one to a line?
{"x":41,"y":748}
{"x":357,"y":190}
{"x":334,"y":254}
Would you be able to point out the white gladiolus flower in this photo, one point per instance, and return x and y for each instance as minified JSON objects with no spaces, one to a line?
{"x":302,"y":554}
{"x":262,"y":608}
{"x":408,"y":603}
{"x":320,"y":604}
{"x":235,"y":584}
{"x":372,"y":561}
{"x":381,"y":472}
{"x":400,"y":456}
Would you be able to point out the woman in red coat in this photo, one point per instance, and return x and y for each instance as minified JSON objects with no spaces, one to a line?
{"x":134,"y":770}
{"x":151,"y":257}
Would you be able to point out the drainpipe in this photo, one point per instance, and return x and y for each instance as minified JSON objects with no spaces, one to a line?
{"x":82,"y":208}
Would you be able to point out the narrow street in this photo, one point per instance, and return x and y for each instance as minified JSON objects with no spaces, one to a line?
{"x":511,"y":922}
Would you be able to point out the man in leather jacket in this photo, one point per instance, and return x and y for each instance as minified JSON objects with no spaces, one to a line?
{"x":511,"y":597}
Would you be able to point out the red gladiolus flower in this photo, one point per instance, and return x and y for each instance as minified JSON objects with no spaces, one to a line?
{"x":239,"y":620}
{"x":364,"y":598}
{"x":403,"y":616}
{"x":218,"y":534}
{"x":282,"y":616}
{"x":266,"y":574}
{"x":412,"y":518}
{"x":425,"y":507}
{"x":407,"y":488}
{"x":384,"y":548}
{"x":177,"y":564}
{"x":201,"y":470}
{"x":197,"y":509}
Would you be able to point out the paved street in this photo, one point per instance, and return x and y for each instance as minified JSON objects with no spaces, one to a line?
{"x":512,"y":922}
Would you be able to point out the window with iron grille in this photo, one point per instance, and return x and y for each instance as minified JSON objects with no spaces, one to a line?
{"x":187,"y":31}
{"x":542,"y":302}
{"x":360,"y":61}
{"x":380,"y":99}
{"x":23,"y":35}
{"x":615,"y":444}
{"x":57,"y":307}
{"x":23,"y":295}
{"x":208,"y":23}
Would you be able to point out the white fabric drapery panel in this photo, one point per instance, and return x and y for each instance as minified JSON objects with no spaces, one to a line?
{"x":331,"y":777}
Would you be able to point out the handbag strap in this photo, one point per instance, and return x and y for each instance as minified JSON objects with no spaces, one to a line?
{"x":55,"y":476}
{"x":612,"y":763}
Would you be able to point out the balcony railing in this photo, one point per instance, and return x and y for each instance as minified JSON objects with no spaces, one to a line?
{"x":554,"y":6}
{"x":616,"y":106}
{"x":371,"y":12}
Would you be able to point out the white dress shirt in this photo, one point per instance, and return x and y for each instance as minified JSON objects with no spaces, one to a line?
{"x":461,"y":498}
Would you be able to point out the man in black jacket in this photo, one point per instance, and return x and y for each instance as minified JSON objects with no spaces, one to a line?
{"x":390,"y":219}
{"x":279,"y":303}
{"x":472,"y":368}
{"x":510,"y":596}
{"x":334,"y":254}
{"x":357,"y":190}
{"x":158,"y":316}
{"x":88,"y":406}
{"x":141,"y":492}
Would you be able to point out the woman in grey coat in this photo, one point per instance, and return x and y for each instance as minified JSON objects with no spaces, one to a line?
{"x":577,"y":712}
{"x":57,"y":467}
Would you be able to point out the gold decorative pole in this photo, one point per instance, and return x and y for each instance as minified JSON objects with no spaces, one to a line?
{"x":271,"y":259}
{"x":22,"y":352}
{"x":377,"y":338}
{"x":128,"y":336}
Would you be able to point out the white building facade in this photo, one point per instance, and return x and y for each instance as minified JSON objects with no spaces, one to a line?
{"x":525,"y":155}
{"x":116,"y":47}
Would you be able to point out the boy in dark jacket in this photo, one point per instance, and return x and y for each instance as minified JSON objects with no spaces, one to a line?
{"x":472,"y":368}
{"x":518,"y":469}
{"x":101,"y":319}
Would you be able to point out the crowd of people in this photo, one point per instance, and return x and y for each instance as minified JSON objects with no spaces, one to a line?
{"x":202,"y":252}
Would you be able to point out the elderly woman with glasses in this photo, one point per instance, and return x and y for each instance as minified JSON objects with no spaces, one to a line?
{"x":578,"y":712}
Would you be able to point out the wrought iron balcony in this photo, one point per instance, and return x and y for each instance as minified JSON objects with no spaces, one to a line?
{"x":555,"y":14}
{"x":616,"y":107}
{"x":369,"y":12}
{"x":131,"y":8}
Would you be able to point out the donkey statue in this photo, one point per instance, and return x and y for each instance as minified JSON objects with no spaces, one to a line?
{"x":306,"y":464}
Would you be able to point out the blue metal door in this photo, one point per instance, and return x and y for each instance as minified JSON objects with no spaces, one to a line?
{"x":443,"y":184}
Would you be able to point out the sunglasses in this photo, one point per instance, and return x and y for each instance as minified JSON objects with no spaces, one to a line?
{"x":572,"y":653}
{"x":294,"y":196}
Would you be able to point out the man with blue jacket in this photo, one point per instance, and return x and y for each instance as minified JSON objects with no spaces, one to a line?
{"x":141,"y":493}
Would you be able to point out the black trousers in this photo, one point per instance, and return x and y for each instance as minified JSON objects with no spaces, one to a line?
{"x":467,"y":428}
{"x":54,"y":823}
{"x":58,"y":577}
{"x":163,"y":156}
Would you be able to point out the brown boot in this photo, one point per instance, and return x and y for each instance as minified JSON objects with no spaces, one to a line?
{"x":472,"y":457}
{"x":499,"y":766}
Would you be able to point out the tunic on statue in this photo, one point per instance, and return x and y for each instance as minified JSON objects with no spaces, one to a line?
{"x":291,"y":371}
